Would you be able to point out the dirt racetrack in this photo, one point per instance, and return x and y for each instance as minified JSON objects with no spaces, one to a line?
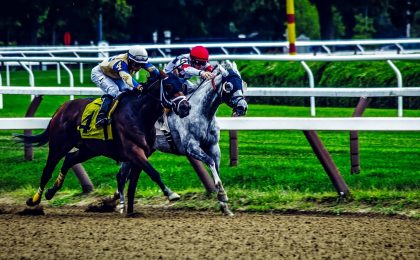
{"x":159,"y":233}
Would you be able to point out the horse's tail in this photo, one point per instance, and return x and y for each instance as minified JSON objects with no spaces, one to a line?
{"x":36,"y":140}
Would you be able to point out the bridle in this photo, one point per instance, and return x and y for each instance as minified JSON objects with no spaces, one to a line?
{"x":166,"y":102}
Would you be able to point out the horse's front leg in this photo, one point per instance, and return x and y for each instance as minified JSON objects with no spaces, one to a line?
{"x":140,"y":161}
{"x":194,"y":150}
{"x":133,"y":177}
{"x":122,"y":177}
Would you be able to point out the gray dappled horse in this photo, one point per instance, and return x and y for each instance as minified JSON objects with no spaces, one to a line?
{"x":197,"y":136}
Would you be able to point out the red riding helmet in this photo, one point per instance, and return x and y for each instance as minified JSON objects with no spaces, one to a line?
{"x":199,"y":53}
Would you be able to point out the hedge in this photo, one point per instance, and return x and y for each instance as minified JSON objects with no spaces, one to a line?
{"x":331,"y":74}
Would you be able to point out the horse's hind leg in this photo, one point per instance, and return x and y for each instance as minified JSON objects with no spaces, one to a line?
{"x":202,"y":173}
{"x":140,"y":162}
{"x":71,"y":159}
{"x":52,"y":161}
{"x":56,"y":152}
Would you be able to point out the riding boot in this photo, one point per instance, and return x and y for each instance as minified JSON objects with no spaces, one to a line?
{"x":102,"y":118}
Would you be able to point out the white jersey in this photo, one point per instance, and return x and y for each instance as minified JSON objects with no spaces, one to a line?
{"x":181,"y":66}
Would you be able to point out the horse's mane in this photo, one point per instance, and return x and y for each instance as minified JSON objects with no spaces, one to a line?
{"x":135,"y":92}
{"x":129,"y":93}
{"x":230,"y":66}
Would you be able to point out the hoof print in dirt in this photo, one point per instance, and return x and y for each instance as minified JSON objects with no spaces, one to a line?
{"x":37,"y":211}
{"x":105,"y":205}
{"x":135,"y":215}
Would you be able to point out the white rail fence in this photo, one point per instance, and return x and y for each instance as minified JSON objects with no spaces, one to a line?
{"x":267,"y":123}
{"x":165,"y":50}
{"x":62,"y":61}
{"x":352,"y":124}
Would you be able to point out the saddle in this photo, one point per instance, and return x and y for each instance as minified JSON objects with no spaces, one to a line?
{"x":87,"y":127}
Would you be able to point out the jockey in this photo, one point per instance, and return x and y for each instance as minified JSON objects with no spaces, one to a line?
{"x":115,"y":75}
{"x":195,"y":63}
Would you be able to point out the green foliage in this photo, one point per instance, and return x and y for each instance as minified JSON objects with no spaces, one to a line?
{"x":415,"y":29}
{"x":364,"y":28}
{"x":307,"y":20}
{"x":339,"y":28}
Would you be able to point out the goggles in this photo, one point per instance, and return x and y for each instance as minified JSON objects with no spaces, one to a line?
{"x":198,"y":62}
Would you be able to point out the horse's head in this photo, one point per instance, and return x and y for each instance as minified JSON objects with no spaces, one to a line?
{"x":171,"y":95}
{"x":232,"y":90}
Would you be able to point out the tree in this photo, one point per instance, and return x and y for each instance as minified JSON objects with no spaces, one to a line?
{"x":364,"y":27}
{"x":307,"y":19}
{"x":325,"y":14}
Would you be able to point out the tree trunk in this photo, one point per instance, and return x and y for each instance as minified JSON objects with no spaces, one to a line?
{"x":325,"y":14}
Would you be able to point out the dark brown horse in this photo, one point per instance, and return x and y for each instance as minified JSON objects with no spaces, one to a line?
{"x":133,"y":135}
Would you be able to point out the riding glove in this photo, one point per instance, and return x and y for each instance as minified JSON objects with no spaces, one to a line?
{"x":206,"y":74}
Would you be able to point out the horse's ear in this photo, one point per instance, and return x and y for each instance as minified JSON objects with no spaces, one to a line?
{"x":235,"y":68}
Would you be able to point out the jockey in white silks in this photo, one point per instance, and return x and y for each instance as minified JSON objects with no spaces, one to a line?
{"x":186,"y":66}
{"x":195,"y":63}
{"x":115,"y":75}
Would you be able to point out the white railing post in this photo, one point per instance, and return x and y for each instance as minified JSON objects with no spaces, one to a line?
{"x":70,"y":77}
{"x":224,"y":50}
{"x":399,"y":85}
{"x":31,"y":77}
{"x":81,"y":72}
{"x":311,"y":85}
{"x":7,"y":74}
{"x":1,"y":95}
{"x":256,"y":50}
{"x":58,"y":71}
{"x":80,"y":68}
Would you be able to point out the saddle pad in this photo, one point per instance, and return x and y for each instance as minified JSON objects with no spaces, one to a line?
{"x":87,"y":127}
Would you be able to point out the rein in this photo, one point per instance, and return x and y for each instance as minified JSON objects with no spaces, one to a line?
{"x":164,"y":101}
{"x":201,"y":83}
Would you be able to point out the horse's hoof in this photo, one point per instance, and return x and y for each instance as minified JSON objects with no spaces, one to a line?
{"x":50,"y":194}
{"x":116,"y":196}
{"x":225,"y":209}
{"x":121,"y":208}
{"x":174,"y":196}
{"x":222,"y":197}
{"x":31,"y":203}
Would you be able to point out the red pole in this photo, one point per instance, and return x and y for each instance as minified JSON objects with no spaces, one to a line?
{"x":291,"y":28}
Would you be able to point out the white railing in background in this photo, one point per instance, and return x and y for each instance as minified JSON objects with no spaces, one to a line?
{"x":401,"y":45}
{"x":300,"y":58}
{"x":250,"y":92}
{"x":352,"y":124}
{"x":268,"y":123}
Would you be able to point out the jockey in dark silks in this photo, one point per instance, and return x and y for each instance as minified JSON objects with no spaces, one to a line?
{"x":195,"y":63}
{"x":115,"y":75}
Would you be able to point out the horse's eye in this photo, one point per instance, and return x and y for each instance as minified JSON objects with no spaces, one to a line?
{"x":169,"y":88}
{"x":227,"y":87}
